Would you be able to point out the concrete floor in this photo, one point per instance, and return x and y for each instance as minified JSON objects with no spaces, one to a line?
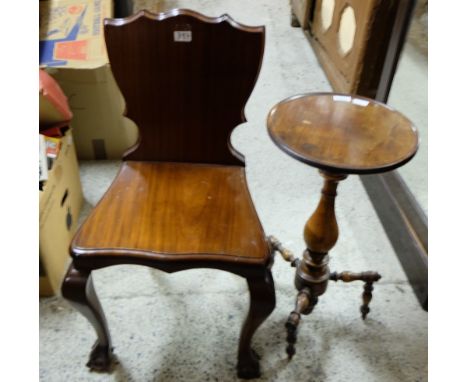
{"x":185,"y":326}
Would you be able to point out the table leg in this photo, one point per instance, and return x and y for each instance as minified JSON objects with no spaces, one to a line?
{"x":312,"y":273}
{"x":368,"y":277}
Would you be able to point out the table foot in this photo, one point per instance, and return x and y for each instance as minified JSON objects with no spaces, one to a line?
{"x":368,"y":277}
{"x":305,"y":303}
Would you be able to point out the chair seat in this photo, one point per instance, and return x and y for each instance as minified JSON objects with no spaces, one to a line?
{"x":174,"y":212}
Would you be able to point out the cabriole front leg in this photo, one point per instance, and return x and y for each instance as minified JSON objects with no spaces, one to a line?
{"x":78,"y":289}
{"x":262,"y":303}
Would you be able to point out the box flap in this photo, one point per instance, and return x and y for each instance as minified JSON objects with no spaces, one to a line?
{"x":53,"y":103}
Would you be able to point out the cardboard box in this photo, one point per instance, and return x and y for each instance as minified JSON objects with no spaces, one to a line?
{"x":72,"y":49}
{"x":53,"y":104}
{"x":45,"y":289}
{"x":59,"y":207}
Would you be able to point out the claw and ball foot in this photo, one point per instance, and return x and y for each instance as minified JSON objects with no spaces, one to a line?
{"x":78,"y":289}
{"x":100,"y":358}
{"x":368,"y":277}
{"x":262,"y":303}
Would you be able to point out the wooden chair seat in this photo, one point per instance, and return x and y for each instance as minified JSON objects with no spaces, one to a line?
{"x":174,"y":211}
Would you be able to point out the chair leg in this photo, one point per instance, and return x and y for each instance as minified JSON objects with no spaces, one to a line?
{"x":262,"y":303}
{"x":78,"y":288}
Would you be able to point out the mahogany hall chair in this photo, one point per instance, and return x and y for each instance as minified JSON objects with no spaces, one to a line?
{"x":180,"y":200}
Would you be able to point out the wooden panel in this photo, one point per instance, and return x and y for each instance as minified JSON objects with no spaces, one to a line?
{"x":349,"y":65}
{"x":185,"y":96}
{"x":340,"y":133}
{"x":358,"y":71}
{"x":174,"y":212}
{"x":301,"y":9}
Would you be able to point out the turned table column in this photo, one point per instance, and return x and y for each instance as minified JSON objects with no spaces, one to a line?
{"x":320,"y":235}
{"x":339,"y":134}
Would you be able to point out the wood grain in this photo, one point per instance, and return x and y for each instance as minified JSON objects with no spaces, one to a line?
{"x":180,"y":200}
{"x":175,"y":212}
{"x":340,"y":134}
{"x":359,"y":71}
{"x":185,"y":97}
{"x":343,"y":133}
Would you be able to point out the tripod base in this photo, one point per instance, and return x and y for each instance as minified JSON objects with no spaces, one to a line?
{"x":310,"y":286}
{"x":306,"y":301}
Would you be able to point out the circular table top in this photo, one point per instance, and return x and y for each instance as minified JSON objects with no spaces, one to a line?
{"x":342,"y":133}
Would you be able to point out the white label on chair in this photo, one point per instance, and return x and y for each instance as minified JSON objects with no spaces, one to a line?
{"x":183,"y":36}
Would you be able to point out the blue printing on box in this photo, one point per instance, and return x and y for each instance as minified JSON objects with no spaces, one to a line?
{"x":47,"y":47}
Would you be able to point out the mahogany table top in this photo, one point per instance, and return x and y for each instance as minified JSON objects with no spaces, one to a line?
{"x":343,"y":133}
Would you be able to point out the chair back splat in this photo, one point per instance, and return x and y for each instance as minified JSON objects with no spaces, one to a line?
{"x":186,"y":79}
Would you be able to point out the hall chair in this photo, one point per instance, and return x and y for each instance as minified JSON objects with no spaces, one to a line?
{"x":180,"y":200}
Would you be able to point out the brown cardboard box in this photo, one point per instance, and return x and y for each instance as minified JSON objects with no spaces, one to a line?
{"x":45,"y":289}
{"x":59,"y":207}
{"x":72,"y":49}
{"x":99,"y":128}
{"x":53,"y":104}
